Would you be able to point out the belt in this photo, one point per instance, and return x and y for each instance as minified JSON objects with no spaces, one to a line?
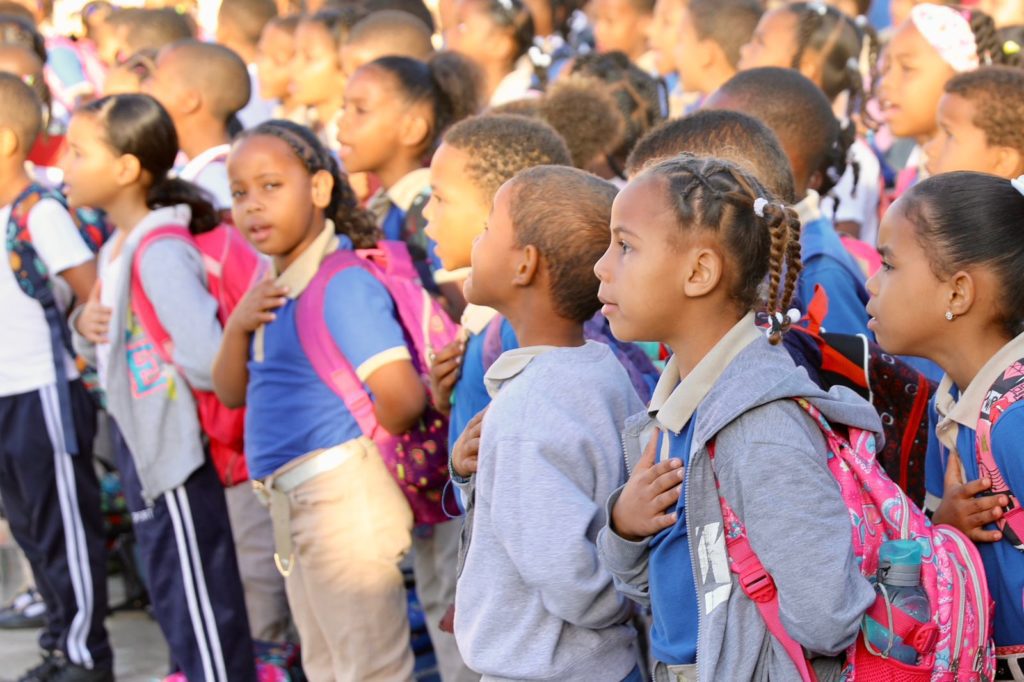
{"x":273,"y":492}
{"x":1010,"y":667}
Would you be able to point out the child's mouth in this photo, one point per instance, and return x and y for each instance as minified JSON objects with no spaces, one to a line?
{"x":259,"y":233}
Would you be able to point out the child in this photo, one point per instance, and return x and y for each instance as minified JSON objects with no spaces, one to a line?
{"x":240,"y":24}
{"x":533,"y":600}
{"x":276,"y":50}
{"x":622,"y":26}
{"x":981,"y":124}
{"x":318,"y":84}
{"x":495,"y":35}
{"x":692,"y":242}
{"x":382,"y":34}
{"x":342,"y":525}
{"x":801,"y":116}
{"x":121,"y":151}
{"x":49,"y":146}
{"x":826,"y":46}
{"x":203,"y":87}
{"x":47,"y":481}
{"x":586,"y":115}
{"x":707,"y":49}
{"x":149,"y":29}
{"x":396,"y":110}
{"x":950,"y":291}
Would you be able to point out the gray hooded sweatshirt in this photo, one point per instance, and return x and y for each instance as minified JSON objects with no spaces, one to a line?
{"x":151,"y":402}
{"x":771,"y":462}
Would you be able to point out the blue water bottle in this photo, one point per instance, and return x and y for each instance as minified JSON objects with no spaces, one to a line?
{"x":899,"y":583}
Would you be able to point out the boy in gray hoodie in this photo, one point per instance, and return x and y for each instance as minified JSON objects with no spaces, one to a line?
{"x":533,"y":601}
{"x":693,"y":240}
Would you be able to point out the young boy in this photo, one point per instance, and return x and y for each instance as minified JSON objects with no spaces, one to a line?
{"x":387,"y":33}
{"x":240,"y":24}
{"x":203,"y":87}
{"x":801,"y":117}
{"x":707,"y":47}
{"x":533,"y":601}
{"x":622,"y":26}
{"x":981,"y":124}
{"x":48,"y":420}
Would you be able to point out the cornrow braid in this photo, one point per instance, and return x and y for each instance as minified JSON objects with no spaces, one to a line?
{"x":349,"y":219}
{"x":987,"y":40}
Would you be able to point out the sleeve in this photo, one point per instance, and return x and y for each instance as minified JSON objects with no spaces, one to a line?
{"x":822,"y":594}
{"x":625,"y":559}
{"x":56,"y":238}
{"x":361,"y":318}
{"x":175,"y":283}
{"x":846,"y":311}
{"x":537,"y":493}
{"x":934,"y":464}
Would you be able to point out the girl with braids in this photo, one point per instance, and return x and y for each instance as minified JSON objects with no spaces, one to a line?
{"x":121,"y":150}
{"x":342,"y":525}
{"x":837,"y":53}
{"x":694,"y":240}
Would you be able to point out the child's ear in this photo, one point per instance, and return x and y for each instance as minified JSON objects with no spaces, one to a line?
{"x":527,"y":267}
{"x":962,"y":293}
{"x":1008,"y":162}
{"x":415,"y":129}
{"x":9,"y":143}
{"x":322,"y":186}
{"x":190,"y":100}
{"x":702,"y":272}
{"x":127,"y":170}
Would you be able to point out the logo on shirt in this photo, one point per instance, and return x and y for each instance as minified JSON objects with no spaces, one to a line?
{"x":148,"y":375}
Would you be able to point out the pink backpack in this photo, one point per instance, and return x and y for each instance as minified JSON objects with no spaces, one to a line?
{"x":232,"y":267}
{"x":417,"y":459}
{"x":957,"y":644}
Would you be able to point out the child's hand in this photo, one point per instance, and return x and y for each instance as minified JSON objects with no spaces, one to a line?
{"x":467,"y":447}
{"x":640,"y":510}
{"x":94,"y":322}
{"x":257,"y":306}
{"x":444,"y":372}
{"x":965,"y":512}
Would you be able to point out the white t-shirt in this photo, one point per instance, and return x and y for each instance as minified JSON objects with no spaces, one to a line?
{"x":209,"y":171}
{"x":111,"y":273}
{"x":26,"y":357}
{"x":860,"y":204}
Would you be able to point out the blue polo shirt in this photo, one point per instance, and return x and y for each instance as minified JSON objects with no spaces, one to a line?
{"x":290,"y":411}
{"x":469,"y":395}
{"x":670,"y":572}
{"x":827,"y":262}
{"x":1004,"y":564}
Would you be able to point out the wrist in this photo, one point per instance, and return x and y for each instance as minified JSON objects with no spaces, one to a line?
{"x":624,"y":533}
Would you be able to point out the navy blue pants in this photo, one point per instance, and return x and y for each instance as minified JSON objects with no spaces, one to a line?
{"x":188,"y":556}
{"x":52,"y":500}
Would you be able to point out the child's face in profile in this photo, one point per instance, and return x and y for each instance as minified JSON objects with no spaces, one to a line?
{"x":663,"y":31}
{"x":913,"y":77}
{"x":620,"y":26}
{"x":87,"y":164}
{"x":474,"y":32}
{"x":457,"y":210}
{"x":495,"y":257}
{"x":641,"y":278}
{"x":773,"y":42}
{"x":276,"y":50}
{"x":372,"y":118}
{"x":689,"y":52}
{"x":959,"y":145}
{"x":316,"y":73}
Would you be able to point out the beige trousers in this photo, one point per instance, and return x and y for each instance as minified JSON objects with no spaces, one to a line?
{"x":350,"y":529}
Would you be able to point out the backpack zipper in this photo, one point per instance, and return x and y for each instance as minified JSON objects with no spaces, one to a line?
{"x":982,"y":623}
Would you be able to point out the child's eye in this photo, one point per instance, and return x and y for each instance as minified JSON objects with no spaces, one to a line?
{"x":624,"y":247}
{"x":886,"y":266}
{"x":271,"y":185}
{"x":237,"y":193}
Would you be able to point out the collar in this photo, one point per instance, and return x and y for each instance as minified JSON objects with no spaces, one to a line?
{"x":516,"y":85}
{"x":410,"y":186}
{"x":191,"y":170}
{"x":443,"y":276}
{"x":965,"y":410}
{"x":475,"y":318}
{"x":510,"y":365}
{"x":809,"y":209}
{"x":675,"y":401}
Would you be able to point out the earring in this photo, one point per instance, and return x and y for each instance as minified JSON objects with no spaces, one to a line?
{"x":950,"y":315}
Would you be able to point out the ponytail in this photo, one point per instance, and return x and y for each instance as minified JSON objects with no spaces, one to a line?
{"x":175,"y":191}
{"x":986,"y":37}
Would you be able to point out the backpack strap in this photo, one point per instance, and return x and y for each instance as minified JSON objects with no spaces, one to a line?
{"x":329,"y":363}
{"x":1006,"y":390}
{"x":143,"y":309}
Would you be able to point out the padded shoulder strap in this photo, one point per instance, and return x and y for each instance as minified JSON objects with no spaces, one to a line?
{"x":141,"y":305}
{"x":1006,"y":390}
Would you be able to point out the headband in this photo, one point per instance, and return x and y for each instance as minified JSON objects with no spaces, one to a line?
{"x":949,"y":32}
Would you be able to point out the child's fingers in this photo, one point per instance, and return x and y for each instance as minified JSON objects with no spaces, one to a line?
{"x":446,"y":368}
{"x":668,"y":498}
{"x":664,"y":474}
{"x":954,"y":477}
{"x":663,"y":521}
{"x":453,"y":349}
{"x":975,"y":487}
{"x":979,"y":535}
{"x":985,"y":517}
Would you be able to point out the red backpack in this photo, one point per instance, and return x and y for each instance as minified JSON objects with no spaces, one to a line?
{"x":232,"y":266}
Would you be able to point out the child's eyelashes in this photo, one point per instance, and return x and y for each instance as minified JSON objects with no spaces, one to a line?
{"x":886,"y":266}
{"x":624,"y":247}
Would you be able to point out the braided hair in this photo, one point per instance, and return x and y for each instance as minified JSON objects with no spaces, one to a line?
{"x":987,"y":39}
{"x":761,"y":235}
{"x":349,"y":219}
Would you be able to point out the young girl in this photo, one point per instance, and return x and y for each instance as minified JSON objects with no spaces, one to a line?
{"x":692,"y":242}
{"x":496,"y":34}
{"x":318,"y":83}
{"x":396,"y":109}
{"x":275,"y":52}
{"x":950,"y":291}
{"x":121,"y":151}
{"x":342,"y":525}
{"x":622,"y":26}
{"x":826,"y":46}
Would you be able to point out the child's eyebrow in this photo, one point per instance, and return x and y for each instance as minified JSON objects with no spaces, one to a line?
{"x":618,"y":230}
{"x":884,"y":252}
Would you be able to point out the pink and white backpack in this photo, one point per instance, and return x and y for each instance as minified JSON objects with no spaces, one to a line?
{"x":957,"y":644}
{"x":417,"y":459}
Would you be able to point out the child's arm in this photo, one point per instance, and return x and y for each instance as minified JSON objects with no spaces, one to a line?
{"x":771,"y":465}
{"x":399,"y":397}
{"x":230,"y":367}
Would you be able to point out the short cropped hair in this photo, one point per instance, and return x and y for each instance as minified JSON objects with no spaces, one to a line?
{"x":218,"y":72}
{"x":400,"y":32}
{"x":586,"y":115}
{"x":566,"y":214}
{"x":997,"y":93}
{"x":248,"y":16}
{"x":729,"y":23}
{"x":22,"y":111}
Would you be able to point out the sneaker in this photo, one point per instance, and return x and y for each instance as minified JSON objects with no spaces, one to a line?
{"x":69,"y":672}
{"x":28,"y":610}
{"x":45,"y":671}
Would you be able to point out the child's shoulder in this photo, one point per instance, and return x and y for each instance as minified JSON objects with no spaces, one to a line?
{"x":579,"y":380}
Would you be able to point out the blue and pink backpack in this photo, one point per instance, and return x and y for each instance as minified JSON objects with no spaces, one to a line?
{"x":417,"y":459}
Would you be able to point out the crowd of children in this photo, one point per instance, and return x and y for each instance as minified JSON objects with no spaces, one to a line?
{"x":555,"y":325}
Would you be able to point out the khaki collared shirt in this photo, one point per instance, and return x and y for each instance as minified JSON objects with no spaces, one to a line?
{"x":402,"y":194}
{"x":511,"y":364}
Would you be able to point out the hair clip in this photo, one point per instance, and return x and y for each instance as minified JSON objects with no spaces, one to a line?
{"x":777,"y":321}
{"x":29,"y":79}
{"x":861,"y":21}
{"x":539,"y":57}
{"x":1011,"y":47}
{"x":818,"y":8}
{"x":759,"y":205}
{"x":507,"y":6}
{"x":1018,"y":184}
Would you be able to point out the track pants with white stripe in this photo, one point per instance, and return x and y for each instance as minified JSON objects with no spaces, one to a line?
{"x":188,"y":556}
{"x":52,"y":500}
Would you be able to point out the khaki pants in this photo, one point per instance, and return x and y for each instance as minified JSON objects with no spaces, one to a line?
{"x":435,"y":562}
{"x":266,"y":602}
{"x":350,"y":529}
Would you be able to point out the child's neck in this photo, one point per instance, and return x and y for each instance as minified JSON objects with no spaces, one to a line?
{"x":196,"y":139}
{"x":397,"y":168}
{"x":698,"y":334}
{"x":128,"y":209}
{"x":494,"y":73}
{"x":13,"y":181}
{"x":965,"y":353}
{"x":314,"y":230}
{"x":537,"y":324}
